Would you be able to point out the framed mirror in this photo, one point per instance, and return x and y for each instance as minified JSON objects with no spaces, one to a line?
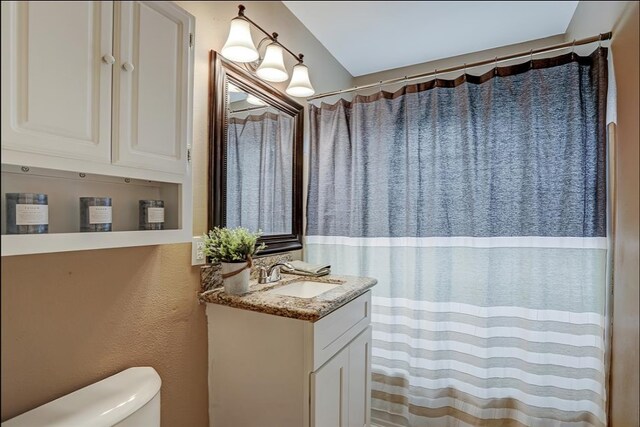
{"x":255,"y":157}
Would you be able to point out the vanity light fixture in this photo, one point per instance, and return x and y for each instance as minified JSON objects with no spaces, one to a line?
{"x":233,"y":88}
{"x":254,"y":100}
{"x":240,"y":48}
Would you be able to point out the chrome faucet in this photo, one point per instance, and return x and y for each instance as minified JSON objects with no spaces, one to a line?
{"x":272,"y":274}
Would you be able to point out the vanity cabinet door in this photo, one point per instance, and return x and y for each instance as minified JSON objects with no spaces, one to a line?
{"x":57,"y":63}
{"x":329,"y":392}
{"x":341,"y":388}
{"x":359,"y":380}
{"x":152,"y":81}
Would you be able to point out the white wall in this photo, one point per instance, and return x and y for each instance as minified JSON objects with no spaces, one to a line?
{"x":595,"y":17}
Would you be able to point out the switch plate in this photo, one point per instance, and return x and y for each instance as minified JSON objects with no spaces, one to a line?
{"x":197,"y":251}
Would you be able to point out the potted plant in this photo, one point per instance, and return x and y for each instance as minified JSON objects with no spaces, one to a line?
{"x":233,"y":249}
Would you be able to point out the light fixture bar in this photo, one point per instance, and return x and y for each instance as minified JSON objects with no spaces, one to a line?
{"x":273,"y":36}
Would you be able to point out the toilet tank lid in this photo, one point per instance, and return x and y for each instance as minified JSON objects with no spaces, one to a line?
{"x":104,"y":403}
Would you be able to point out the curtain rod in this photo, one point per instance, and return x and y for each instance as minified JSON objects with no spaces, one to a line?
{"x":588,"y":40}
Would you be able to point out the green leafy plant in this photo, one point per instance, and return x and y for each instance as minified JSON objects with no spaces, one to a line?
{"x":231,"y":244}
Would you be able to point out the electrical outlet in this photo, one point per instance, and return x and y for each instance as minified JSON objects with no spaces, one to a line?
{"x":197,"y":251}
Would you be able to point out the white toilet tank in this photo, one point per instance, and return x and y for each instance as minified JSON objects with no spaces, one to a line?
{"x":127,"y":399}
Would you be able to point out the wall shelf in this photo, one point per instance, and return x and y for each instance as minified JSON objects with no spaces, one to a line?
{"x":23,"y":244}
{"x":64,"y":188}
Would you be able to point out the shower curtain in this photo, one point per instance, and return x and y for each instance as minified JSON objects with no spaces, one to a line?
{"x":479,"y":204}
{"x":259,"y":170}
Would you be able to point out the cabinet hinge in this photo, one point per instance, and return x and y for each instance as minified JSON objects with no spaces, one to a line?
{"x":190,"y":39}
{"x":189,"y":155}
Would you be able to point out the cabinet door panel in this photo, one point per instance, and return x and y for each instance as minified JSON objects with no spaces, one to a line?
{"x":56,"y":89}
{"x":151,"y":84}
{"x":360,"y":380}
{"x":329,"y":394}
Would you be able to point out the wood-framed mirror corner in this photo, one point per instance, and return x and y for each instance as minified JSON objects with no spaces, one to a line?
{"x":276,"y":110}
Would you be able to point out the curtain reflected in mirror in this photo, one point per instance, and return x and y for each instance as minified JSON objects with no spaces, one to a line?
{"x":259,"y":165}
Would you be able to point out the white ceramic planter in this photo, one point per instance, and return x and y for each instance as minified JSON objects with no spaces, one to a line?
{"x":239,"y":283}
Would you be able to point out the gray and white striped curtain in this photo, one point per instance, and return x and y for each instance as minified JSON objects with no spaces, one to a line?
{"x":479,"y":204}
{"x":259,"y":170}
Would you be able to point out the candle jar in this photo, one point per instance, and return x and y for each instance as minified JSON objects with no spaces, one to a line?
{"x":95,"y":214}
{"x":27,"y":213}
{"x":151,"y":215}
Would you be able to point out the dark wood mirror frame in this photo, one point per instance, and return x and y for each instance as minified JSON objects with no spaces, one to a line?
{"x":220,"y":68}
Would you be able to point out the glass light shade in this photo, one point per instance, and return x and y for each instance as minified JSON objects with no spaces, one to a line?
{"x":272,"y":67}
{"x":239,"y":46}
{"x":254,"y":100}
{"x":300,"y":85}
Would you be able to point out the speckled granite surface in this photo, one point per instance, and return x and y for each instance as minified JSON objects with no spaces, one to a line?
{"x":259,"y":299}
{"x":211,"y":277}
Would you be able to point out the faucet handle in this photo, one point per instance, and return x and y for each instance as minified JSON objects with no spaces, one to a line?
{"x":275,"y":274}
{"x":262,"y":275}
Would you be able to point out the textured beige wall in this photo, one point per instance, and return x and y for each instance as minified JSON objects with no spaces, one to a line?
{"x":71,"y":319}
{"x":622,"y":18}
{"x":625,"y":379}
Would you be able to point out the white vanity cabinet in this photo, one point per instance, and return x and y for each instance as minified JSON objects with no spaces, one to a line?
{"x":271,"y":371}
{"x":102,"y":91}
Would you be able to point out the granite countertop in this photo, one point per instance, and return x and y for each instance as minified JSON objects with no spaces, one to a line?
{"x":310,"y":309}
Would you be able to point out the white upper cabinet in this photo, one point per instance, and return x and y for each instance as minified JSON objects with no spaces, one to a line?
{"x":151,"y":85}
{"x":56,"y":88}
{"x":97,"y":100}
{"x":105,"y":82}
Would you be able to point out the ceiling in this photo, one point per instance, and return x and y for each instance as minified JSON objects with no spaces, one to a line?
{"x":371,"y":36}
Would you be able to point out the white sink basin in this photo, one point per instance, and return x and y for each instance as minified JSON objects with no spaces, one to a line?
{"x":303,"y":289}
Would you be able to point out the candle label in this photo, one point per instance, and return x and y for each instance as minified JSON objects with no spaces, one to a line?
{"x":99,"y":214}
{"x":155,"y":215}
{"x":32,"y":214}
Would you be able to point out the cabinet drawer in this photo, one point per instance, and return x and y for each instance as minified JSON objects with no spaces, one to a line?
{"x":337,"y":329}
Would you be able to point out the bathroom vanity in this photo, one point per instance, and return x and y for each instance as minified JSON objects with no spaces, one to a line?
{"x":296,"y":353}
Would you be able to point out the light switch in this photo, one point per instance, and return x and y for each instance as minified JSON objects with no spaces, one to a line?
{"x":197,"y":251}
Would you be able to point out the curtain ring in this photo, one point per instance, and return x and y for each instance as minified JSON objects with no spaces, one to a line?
{"x":531,"y":55}
{"x":380,"y":86}
{"x":495,"y":66}
{"x":573,"y":47}
{"x":436,"y":79}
